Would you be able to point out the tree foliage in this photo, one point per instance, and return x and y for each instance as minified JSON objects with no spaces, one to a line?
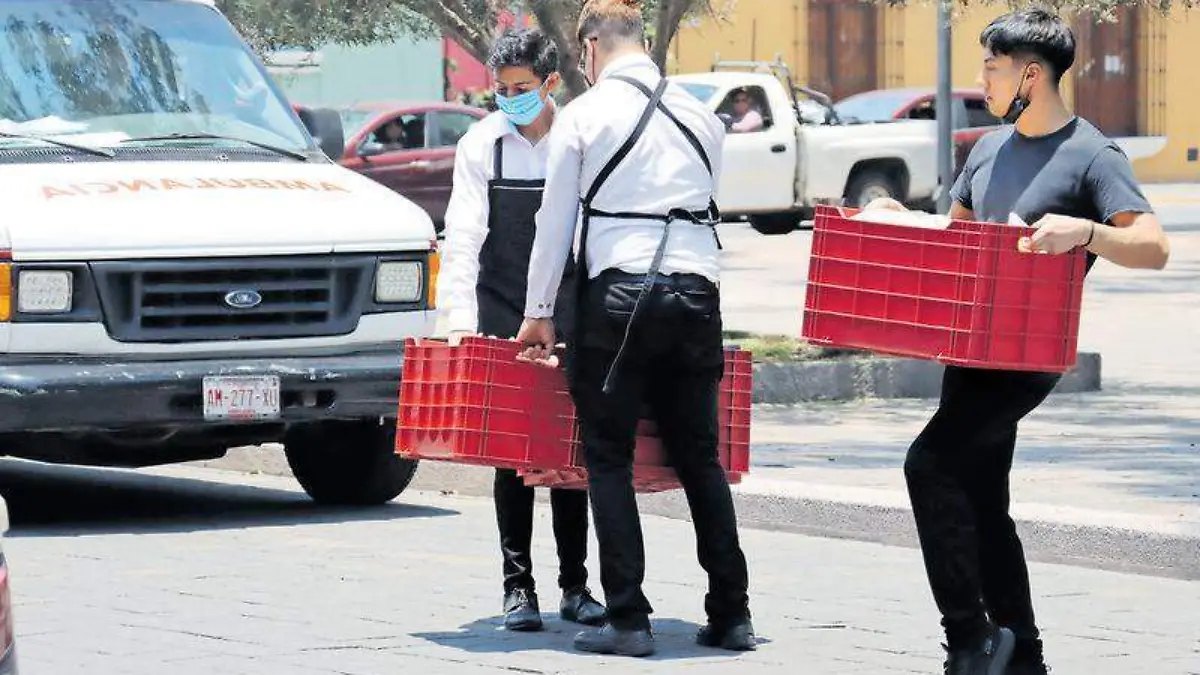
{"x":272,"y":24}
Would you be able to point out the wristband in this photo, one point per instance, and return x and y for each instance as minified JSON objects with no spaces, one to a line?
{"x":1091,"y":234}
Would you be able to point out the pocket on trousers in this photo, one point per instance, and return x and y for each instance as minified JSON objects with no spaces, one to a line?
{"x":620,"y":298}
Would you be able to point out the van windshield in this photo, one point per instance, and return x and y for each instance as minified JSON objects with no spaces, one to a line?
{"x":105,"y":71}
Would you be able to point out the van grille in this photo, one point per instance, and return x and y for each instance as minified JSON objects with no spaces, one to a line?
{"x":178,"y":301}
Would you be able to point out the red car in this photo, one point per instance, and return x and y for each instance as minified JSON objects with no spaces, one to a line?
{"x":409,"y":148}
{"x":971,"y":118}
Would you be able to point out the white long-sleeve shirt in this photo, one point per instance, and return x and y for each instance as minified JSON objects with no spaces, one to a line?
{"x":662,"y":172}
{"x":467,"y":212}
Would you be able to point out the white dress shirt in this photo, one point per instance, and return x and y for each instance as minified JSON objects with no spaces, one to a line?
{"x":662,"y":172}
{"x":467,"y":212}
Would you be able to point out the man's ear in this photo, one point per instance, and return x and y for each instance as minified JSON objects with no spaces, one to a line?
{"x":553,"y":82}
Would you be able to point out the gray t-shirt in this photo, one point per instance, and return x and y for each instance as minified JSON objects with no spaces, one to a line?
{"x":1076,"y":171}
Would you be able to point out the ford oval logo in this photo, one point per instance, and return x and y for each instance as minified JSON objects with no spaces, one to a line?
{"x":243,"y":299}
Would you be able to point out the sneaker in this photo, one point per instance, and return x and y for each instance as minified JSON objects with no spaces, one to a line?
{"x":989,"y":655}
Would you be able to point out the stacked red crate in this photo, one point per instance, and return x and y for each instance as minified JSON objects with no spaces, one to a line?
{"x":476,"y":404}
{"x":962,"y":294}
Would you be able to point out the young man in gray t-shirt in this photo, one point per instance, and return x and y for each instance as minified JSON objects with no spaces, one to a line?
{"x":1059,"y":173}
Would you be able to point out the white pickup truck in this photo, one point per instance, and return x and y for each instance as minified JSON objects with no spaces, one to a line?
{"x":182,"y":268}
{"x":804,"y":155}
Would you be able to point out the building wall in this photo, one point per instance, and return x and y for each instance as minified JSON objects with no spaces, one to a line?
{"x":406,"y":70}
{"x":1169,"y":100}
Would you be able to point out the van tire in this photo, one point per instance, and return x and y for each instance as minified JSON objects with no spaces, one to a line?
{"x":349,"y":464}
{"x":772,"y":224}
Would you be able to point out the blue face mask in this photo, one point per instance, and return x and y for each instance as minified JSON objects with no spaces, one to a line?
{"x":523,"y":109}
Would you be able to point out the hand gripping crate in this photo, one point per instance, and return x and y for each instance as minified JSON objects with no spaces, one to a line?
{"x":476,"y":404}
{"x":961,"y":294}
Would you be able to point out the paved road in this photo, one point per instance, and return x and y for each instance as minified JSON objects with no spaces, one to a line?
{"x":182,"y":573}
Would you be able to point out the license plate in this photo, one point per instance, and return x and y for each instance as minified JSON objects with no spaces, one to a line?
{"x":241,"y":398}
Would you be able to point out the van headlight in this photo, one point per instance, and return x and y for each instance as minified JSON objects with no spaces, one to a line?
{"x":44,"y":291}
{"x":399,"y":282}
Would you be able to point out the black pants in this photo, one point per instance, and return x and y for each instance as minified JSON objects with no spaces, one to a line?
{"x":514,"y":515}
{"x":673,"y":364}
{"x":957,"y":473}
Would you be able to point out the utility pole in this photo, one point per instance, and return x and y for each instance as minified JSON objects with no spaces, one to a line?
{"x":944,"y":109}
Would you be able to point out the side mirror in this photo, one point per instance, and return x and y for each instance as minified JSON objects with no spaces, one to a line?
{"x":325,"y":126}
{"x":369,"y":149}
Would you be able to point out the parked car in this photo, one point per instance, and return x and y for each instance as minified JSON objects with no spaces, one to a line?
{"x":8,"y":639}
{"x":409,"y":148}
{"x":970,"y":116}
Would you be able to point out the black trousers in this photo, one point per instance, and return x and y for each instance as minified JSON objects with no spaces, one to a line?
{"x":673,"y":366}
{"x":514,"y":516}
{"x":957,"y":472}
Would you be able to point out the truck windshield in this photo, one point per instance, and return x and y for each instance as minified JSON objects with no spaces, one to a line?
{"x":105,"y":71}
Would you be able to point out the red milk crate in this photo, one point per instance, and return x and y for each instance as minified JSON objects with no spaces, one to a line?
{"x":963,"y":295}
{"x":476,"y":404}
{"x":651,"y":470}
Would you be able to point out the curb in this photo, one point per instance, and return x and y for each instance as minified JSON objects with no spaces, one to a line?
{"x":883,"y":377}
{"x":1137,"y":548}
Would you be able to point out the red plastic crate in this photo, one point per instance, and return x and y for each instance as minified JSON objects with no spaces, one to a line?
{"x":963,"y":295}
{"x":475,"y":404}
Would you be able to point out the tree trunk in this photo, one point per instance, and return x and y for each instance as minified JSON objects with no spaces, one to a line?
{"x":557,"y":18}
{"x":666,"y":25}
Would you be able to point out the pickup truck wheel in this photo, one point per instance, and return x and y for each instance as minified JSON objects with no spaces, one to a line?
{"x":349,"y":464}
{"x":774,"y":223}
{"x":870,"y":185}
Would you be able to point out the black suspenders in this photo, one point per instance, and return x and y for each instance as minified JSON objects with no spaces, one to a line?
{"x":709,"y":217}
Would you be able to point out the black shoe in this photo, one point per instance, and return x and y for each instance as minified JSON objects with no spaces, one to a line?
{"x":737,"y":637}
{"x":1028,"y":659}
{"x":521,"y":611}
{"x":609,"y":640}
{"x":989,"y":655}
{"x":578,"y":606}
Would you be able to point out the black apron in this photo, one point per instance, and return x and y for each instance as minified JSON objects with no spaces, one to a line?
{"x":504,"y":257}
{"x":709,"y":217}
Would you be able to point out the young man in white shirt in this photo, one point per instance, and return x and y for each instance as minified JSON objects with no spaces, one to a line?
{"x":642,"y":158}
{"x":499,"y":172}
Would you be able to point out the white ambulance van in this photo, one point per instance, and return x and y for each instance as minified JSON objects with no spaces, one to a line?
{"x":182,"y":268}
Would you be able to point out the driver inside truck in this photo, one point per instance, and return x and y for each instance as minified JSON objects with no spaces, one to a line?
{"x":746,"y":118}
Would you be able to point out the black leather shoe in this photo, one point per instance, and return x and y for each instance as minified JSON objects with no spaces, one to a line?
{"x":609,"y":640}
{"x":738,"y":637}
{"x":578,"y":606}
{"x":1028,"y":659}
{"x":988,"y":655}
{"x":521,"y":611}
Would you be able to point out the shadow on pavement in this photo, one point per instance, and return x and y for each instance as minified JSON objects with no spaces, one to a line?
{"x":53,"y":501}
{"x":674,"y":639}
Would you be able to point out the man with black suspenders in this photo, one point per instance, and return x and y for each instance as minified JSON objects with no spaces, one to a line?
{"x":641,"y":157}
{"x":499,"y":172}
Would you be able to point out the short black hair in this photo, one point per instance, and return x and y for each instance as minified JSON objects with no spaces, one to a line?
{"x":525,"y":48}
{"x":1033,"y":34}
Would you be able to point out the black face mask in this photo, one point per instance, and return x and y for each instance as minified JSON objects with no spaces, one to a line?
{"x":1019,"y":102}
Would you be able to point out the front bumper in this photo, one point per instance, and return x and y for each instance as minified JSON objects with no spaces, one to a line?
{"x":89,"y":395}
